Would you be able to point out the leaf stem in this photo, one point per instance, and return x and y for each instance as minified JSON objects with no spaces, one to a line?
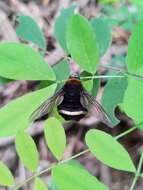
{"x":128,"y":131}
{"x":70,"y":158}
{"x":48,"y":169}
{"x":125,"y":132}
{"x":95,"y":77}
{"x":137,"y":175}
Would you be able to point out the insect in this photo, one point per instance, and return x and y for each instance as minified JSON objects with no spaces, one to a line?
{"x":73,"y":103}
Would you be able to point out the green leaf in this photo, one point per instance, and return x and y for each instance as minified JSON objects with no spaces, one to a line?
{"x":135,"y":47}
{"x":62,"y":70}
{"x":73,"y":176}
{"x":99,"y":25}
{"x":61,"y":25}
{"x":53,"y":186}
{"x":27,"y":150}
{"x":55,"y":137}
{"x":15,"y":115}
{"x":115,"y":88}
{"x":6,"y":177}
{"x":4,"y":80}
{"x":39,"y":184}
{"x":87,"y":83}
{"x":82,"y":44}
{"x":29,"y":30}
{"x":108,"y":150}
{"x":96,"y":85}
{"x":133,"y":104}
{"x":90,"y":85}
{"x":21,"y":62}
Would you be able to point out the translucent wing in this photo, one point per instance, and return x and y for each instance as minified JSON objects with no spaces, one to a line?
{"x":47,"y":106}
{"x":90,"y":103}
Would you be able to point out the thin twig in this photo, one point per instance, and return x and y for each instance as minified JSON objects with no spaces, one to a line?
{"x":137,"y":175}
{"x":66,"y":160}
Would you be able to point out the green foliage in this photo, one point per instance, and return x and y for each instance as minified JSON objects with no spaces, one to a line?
{"x":39,"y":185}
{"x":28,"y":30}
{"x":61,"y":23}
{"x":132,"y":104}
{"x":115,"y":88}
{"x":55,"y":137}
{"x":27,"y":151}
{"x":20,"y":62}
{"x":15,"y":115}
{"x":108,"y":150}
{"x":73,"y":176}
{"x":82,"y":44}
{"x":122,"y":16}
{"x":86,"y":42}
{"x":4,"y":80}
{"x":62,"y":70}
{"x":103,"y":33}
{"x":134,"y":58}
{"x":6,"y":177}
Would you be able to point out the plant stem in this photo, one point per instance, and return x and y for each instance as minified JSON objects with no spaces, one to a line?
{"x":48,"y":169}
{"x":95,"y":77}
{"x":68,"y":159}
{"x":137,"y":173}
{"x":129,"y":130}
{"x":125,"y":132}
{"x":102,"y":76}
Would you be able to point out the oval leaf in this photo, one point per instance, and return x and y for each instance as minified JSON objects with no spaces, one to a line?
{"x":99,"y":25}
{"x":39,"y":185}
{"x":15,"y":115}
{"x":133,"y":104}
{"x":61,"y":25}
{"x":135,"y":47}
{"x":27,"y":151}
{"x":81,"y":43}
{"x":108,"y":150}
{"x":6,"y":177}
{"x":29,"y":30}
{"x":21,"y":62}
{"x":74,"y":176}
{"x":55,"y":137}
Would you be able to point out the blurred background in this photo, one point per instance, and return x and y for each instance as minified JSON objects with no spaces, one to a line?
{"x":123,"y":15}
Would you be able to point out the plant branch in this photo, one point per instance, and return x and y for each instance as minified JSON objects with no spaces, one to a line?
{"x":48,"y":169}
{"x":70,"y":158}
{"x":137,"y":175}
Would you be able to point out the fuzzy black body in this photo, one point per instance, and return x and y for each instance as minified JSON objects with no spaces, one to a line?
{"x":71,"y":107}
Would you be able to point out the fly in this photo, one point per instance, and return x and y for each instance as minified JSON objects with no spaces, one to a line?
{"x":73,"y":103}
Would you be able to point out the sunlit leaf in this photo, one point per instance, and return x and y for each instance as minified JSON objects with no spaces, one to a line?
{"x":15,"y":115}
{"x":108,"y":150}
{"x":21,"y":62}
{"x":133,"y":104}
{"x":99,"y":25}
{"x":28,"y":30}
{"x":61,"y":25}
{"x":6,"y":177}
{"x":73,"y":176}
{"x":39,"y":185}
{"x":55,"y":137}
{"x":82,"y":44}
{"x":27,"y":151}
{"x":113,"y":95}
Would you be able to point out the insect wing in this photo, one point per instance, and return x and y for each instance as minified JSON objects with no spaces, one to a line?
{"x":47,"y":106}
{"x":90,"y":103}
